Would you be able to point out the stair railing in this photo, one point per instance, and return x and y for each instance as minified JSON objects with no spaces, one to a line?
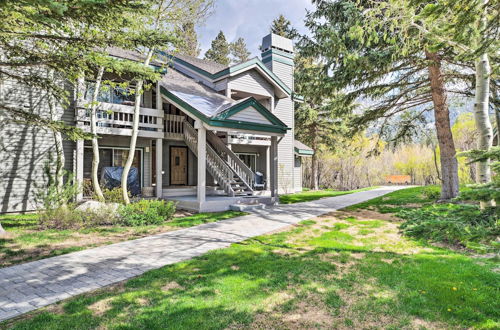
{"x":219,"y":170}
{"x":239,"y":167}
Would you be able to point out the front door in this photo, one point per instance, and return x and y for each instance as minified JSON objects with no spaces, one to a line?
{"x":178,"y":166}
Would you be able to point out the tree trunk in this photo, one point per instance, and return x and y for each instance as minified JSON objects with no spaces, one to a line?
{"x":135,"y":131}
{"x":58,"y":142}
{"x":481,"y":115}
{"x":93,"y":129}
{"x":314,"y":164}
{"x":449,"y":163}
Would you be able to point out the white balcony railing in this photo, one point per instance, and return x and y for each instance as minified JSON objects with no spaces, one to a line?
{"x":252,"y":139}
{"x":173,"y":127}
{"x":117,"y":119}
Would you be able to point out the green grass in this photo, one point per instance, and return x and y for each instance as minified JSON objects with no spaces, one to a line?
{"x":26,"y":242}
{"x":299,"y":278}
{"x":312,"y":195}
{"x":396,"y":200}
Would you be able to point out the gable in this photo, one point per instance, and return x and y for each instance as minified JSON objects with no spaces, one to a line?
{"x":252,"y":82}
{"x":251,"y":115}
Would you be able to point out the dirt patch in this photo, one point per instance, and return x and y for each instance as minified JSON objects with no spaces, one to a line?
{"x":171,"y":286}
{"x":100,"y":307}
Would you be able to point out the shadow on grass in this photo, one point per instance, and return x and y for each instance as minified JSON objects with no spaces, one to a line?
{"x":231,"y":286}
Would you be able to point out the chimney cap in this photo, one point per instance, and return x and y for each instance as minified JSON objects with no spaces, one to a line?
{"x":277,"y":42}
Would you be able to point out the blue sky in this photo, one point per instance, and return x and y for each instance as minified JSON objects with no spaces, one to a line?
{"x":250,"y":19}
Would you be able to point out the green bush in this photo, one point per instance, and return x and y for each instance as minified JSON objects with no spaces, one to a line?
{"x":465,"y":225}
{"x":147,"y":212}
{"x":431,"y":193}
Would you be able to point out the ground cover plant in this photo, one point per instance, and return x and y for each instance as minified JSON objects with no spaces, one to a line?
{"x":348,"y":269}
{"x":312,"y":195}
{"x":459,"y":224}
{"x":27,"y":241}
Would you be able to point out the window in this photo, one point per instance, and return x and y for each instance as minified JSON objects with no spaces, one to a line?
{"x":110,"y":157}
{"x":109,"y":94}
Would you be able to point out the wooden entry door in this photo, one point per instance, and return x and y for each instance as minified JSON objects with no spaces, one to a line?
{"x":178,"y":166}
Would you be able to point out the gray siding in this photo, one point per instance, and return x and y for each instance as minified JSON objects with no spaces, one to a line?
{"x":284,"y":72}
{"x":251,"y":82}
{"x":25,"y":150}
{"x":250,"y":115}
{"x":284,"y":111}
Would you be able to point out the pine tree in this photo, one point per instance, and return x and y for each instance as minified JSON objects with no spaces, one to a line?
{"x":283,"y":27}
{"x":396,"y":73}
{"x":189,"y":40}
{"x":239,"y":51}
{"x":219,"y":50}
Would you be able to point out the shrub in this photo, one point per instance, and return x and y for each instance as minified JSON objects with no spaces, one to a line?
{"x":113,"y":195}
{"x":67,"y":217}
{"x":147,"y":212}
{"x":462,"y":224}
{"x":431,"y":193}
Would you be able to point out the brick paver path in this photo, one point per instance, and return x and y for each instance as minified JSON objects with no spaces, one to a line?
{"x":35,"y":284}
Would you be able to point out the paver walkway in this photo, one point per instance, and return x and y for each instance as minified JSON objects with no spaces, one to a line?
{"x":35,"y":284}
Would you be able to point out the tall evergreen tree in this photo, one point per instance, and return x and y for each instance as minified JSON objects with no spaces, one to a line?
{"x":219,"y":50}
{"x":395,"y":73}
{"x":239,"y":51}
{"x":189,"y":44}
{"x":283,"y":27}
{"x":318,"y":120}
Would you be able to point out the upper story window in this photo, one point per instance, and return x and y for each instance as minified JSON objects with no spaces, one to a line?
{"x":110,"y":94}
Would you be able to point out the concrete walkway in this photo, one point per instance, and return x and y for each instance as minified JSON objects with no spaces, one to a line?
{"x":32,"y":285}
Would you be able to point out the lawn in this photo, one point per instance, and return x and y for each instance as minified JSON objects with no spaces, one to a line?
{"x":347,"y":269}
{"x":26,"y":242}
{"x":312,"y":195}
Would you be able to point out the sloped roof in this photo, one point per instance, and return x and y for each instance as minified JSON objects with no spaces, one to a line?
{"x":214,"y":108}
{"x":301,"y":149}
{"x":130,"y":55}
{"x":202,"y":98}
{"x":206,"y":65}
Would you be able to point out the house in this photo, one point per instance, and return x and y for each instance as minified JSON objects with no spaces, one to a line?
{"x":205,"y":131}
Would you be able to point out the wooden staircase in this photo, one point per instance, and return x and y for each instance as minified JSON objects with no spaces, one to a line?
{"x":229,"y":172}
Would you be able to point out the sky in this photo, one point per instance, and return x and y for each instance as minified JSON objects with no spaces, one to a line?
{"x":251,"y":20}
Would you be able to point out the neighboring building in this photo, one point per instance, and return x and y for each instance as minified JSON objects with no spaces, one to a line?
{"x":205,"y":130}
{"x":398,"y":179}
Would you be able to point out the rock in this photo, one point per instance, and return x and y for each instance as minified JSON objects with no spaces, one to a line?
{"x":95,"y":206}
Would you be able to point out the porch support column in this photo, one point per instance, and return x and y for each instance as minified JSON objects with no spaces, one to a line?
{"x":159,"y":146}
{"x":274,"y":166}
{"x":202,"y":162}
{"x":268,"y":168}
{"x":79,"y":168}
{"x":159,"y":168}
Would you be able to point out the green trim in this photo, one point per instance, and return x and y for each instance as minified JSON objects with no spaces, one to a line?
{"x":277,"y":59}
{"x":304,"y":152}
{"x":298,"y":98}
{"x":216,"y":122}
{"x":277,"y":52}
{"x":251,"y":102}
{"x":235,"y":69}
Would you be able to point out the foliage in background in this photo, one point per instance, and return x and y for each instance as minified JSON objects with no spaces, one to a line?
{"x":283,"y":27}
{"x":147,"y":212}
{"x":239,"y":51}
{"x":188,"y":44}
{"x":219,"y":50}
